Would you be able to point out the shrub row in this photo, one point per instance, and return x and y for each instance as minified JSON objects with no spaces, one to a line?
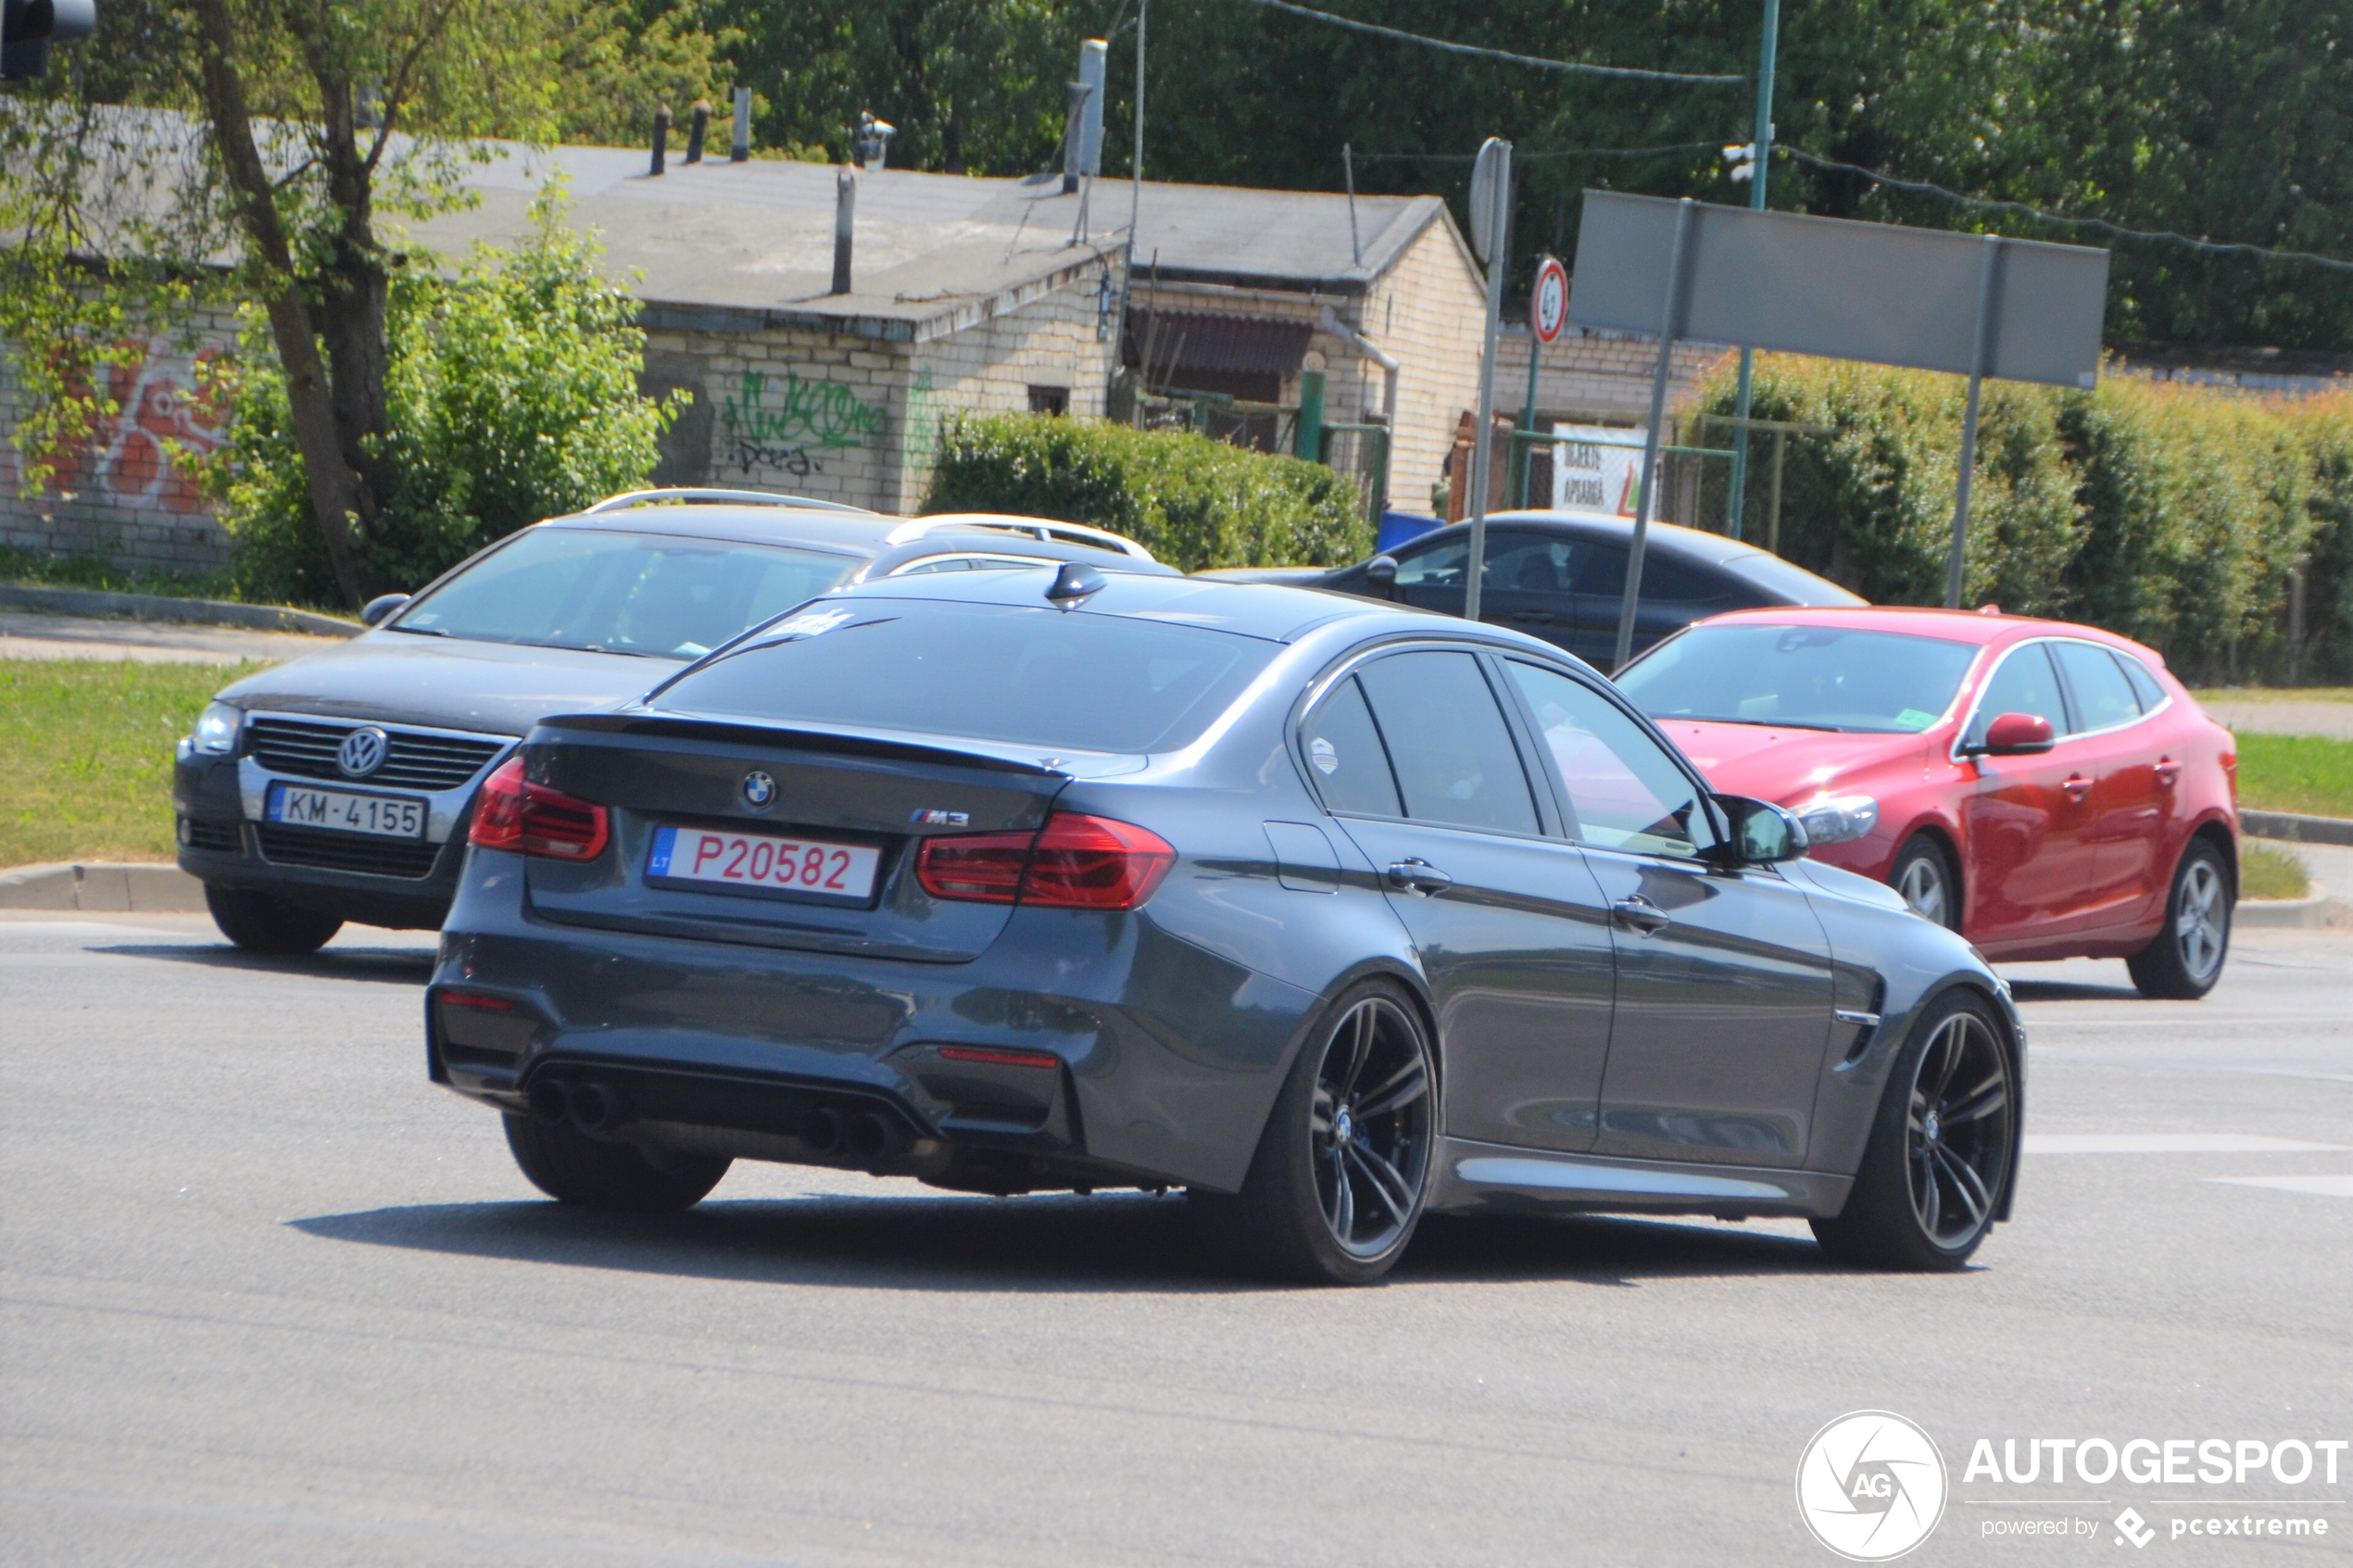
{"x":2177,"y":515}
{"x":1193,"y":502}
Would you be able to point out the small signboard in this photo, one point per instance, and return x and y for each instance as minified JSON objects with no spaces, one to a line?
{"x":1589,"y":476}
{"x":1548,"y":304}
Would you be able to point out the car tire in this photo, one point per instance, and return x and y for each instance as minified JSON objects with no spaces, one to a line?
{"x":259,"y":924}
{"x":2185,"y":959}
{"x":1336,"y":1187}
{"x":1923,"y":875}
{"x":572,"y":1167}
{"x":1942,"y":1149}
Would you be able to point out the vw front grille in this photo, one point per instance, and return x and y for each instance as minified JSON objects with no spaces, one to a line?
{"x":415,"y":759}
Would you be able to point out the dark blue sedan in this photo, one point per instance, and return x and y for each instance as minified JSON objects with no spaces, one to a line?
{"x":1332,"y":912}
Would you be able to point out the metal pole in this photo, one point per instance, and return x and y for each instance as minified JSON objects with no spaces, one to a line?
{"x":1670,"y":321}
{"x":1526,"y":456}
{"x":1773,"y":523}
{"x":1758,"y":165}
{"x":1988,"y":265}
{"x":739,"y":148}
{"x":1348,"y":167}
{"x":1498,"y":258}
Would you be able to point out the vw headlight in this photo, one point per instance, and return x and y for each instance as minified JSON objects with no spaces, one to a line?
{"x":216,"y":728}
{"x":1838,"y":819}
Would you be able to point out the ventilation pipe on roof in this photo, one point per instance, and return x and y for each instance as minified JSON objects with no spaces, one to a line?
{"x":661,"y":137}
{"x":740,"y":150}
{"x":845,"y":214}
{"x":1083,"y":149}
{"x":697,"y":130}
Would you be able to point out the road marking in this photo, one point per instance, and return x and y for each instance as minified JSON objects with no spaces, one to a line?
{"x":2317,"y":1186}
{"x":2169,"y":1143}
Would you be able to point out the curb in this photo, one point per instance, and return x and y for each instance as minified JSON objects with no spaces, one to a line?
{"x":2295,"y":829}
{"x":161,"y":606}
{"x":111,"y":887}
{"x":2309,"y":913}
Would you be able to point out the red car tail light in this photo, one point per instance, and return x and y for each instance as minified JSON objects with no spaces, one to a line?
{"x":1076,"y":864}
{"x":531,"y":819}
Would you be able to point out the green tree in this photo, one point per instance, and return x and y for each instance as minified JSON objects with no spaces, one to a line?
{"x":511,"y":395}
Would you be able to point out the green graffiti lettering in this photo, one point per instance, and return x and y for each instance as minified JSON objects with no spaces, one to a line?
{"x":822,"y":413}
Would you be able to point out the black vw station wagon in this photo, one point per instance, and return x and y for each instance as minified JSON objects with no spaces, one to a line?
{"x":1330,"y":912}
{"x":337,"y":787}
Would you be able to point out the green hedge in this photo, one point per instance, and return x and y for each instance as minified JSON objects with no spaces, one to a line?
{"x":2177,"y":515}
{"x":1193,"y":502}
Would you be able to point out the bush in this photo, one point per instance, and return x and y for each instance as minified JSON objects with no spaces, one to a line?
{"x":512,"y":392}
{"x":2175,"y":515}
{"x":1193,"y":502}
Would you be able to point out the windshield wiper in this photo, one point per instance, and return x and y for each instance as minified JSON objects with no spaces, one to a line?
{"x":1759,"y":723}
{"x":420,"y":630}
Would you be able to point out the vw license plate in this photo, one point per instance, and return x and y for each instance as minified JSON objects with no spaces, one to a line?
{"x":753,"y":859}
{"x":384,"y":816}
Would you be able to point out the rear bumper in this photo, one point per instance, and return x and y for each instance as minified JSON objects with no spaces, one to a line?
{"x":1109,"y":1051}
{"x":218,"y":845}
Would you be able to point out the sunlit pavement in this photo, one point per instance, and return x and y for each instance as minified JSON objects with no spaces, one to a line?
{"x":266,"y":1296}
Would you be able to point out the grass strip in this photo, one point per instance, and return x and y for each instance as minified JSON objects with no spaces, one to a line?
{"x":2309,"y":775}
{"x":85,"y":754}
{"x":2266,"y":872}
{"x":2274,"y":694}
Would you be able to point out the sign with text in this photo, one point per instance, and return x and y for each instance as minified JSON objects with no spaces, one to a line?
{"x":1590,"y":476}
{"x":1875,"y":291}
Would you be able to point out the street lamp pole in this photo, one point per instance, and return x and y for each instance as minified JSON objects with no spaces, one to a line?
{"x":1758,"y":163}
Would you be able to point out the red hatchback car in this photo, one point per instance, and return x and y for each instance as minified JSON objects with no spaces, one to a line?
{"x":2047,"y":790}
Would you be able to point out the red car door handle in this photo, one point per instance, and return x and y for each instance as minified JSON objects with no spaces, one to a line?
{"x":2167,"y":771}
{"x":2077,"y":788}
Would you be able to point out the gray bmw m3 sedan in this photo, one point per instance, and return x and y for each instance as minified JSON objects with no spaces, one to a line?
{"x":1332,"y":912}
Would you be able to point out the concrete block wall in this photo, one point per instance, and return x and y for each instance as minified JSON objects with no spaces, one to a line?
{"x":1428,"y":312}
{"x":124,"y":497}
{"x":1588,"y":375}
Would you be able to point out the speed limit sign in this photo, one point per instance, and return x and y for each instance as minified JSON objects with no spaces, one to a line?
{"x":1548,"y":307}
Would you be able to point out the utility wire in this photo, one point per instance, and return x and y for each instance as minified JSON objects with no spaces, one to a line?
{"x":2102,"y":224}
{"x":1379,"y":32}
{"x":1535,"y":157}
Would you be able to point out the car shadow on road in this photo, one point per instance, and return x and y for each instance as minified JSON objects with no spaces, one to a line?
{"x":1044,"y":1244}
{"x":2070,"y":991}
{"x":392,"y":966}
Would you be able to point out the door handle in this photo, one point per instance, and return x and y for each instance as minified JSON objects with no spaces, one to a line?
{"x":1417,"y":875}
{"x":2167,"y":771}
{"x":2077,"y":787}
{"x":1639,"y":913}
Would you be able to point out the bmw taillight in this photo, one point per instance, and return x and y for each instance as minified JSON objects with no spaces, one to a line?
{"x":1077,"y":862}
{"x":532,"y":818}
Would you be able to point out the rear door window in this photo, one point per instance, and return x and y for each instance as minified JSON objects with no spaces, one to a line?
{"x":2144,"y":686}
{"x":2103,"y":695}
{"x":1344,"y":751}
{"x":1455,"y":762}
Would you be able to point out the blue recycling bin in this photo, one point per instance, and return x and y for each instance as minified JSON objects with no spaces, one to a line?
{"x":1396,"y":528}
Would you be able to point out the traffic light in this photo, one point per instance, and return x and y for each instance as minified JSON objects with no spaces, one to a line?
{"x":33,"y":25}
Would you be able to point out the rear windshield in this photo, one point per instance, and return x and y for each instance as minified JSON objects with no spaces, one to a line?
{"x":1778,"y":578}
{"x":1043,"y":677}
{"x":623,"y":593}
{"x":1804,"y":677}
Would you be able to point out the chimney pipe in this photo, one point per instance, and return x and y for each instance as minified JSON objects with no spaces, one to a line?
{"x":740,"y":150}
{"x":661,"y":137}
{"x":845,"y":211}
{"x":696,"y":129}
{"x":1083,"y":101}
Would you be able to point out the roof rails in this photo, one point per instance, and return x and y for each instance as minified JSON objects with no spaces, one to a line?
{"x":719,"y":497}
{"x":1048,"y":529}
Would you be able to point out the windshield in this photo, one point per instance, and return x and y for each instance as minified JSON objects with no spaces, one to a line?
{"x":1032,"y":677}
{"x":623,"y":593}
{"x":1805,"y":677}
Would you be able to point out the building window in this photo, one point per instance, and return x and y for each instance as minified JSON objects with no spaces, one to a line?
{"x":1050,"y":400}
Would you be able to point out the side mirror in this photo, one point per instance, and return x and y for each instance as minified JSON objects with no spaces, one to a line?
{"x":1763,"y":833}
{"x":379,"y":609}
{"x":1381,"y":573}
{"x":2017,"y":734}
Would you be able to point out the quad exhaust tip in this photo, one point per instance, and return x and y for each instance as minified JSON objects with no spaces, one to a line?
{"x":549,"y":1104}
{"x":821,"y":1131}
{"x":868,"y":1136}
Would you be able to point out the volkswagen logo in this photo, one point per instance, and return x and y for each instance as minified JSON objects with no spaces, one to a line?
{"x":759,"y":790}
{"x":363,"y":752}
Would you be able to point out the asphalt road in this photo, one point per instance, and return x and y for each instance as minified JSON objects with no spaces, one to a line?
{"x":267,"y":1297}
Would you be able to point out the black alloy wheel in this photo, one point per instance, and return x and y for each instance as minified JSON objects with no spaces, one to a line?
{"x":1923,"y":875}
{"x":1335,"y":1188}
{"x":2185,"y":959}
{"x":1942,"y":1152}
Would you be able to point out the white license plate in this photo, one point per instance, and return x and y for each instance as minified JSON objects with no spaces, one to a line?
{"x":754,"y":860}
{"x":386,"y":816}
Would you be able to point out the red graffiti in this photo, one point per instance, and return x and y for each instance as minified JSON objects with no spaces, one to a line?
{"x":128,"y":454}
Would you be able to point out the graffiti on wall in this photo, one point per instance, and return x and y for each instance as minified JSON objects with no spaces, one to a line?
{"x":924,"y":414}
{"x":777,"y":424}
{"x":130,"y":458}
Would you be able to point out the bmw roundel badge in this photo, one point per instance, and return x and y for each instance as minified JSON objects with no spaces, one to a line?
{"x":759,"y":790}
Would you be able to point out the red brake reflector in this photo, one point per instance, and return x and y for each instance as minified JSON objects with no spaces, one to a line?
{"x":476,"y":999}
{"x":983,"y":868}
{"x":995,"y":1057}
{"x":514,"y":813}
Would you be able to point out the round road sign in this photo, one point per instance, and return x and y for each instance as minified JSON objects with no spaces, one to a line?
{"x":1548,"y":307}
